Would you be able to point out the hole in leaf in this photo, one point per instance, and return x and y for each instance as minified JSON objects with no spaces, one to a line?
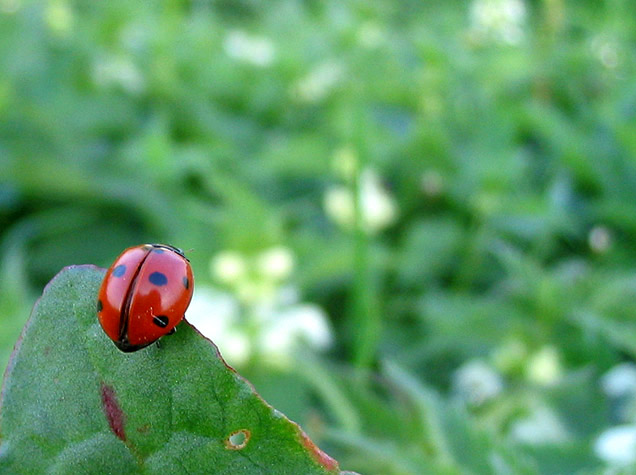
{"x":238,"y":439}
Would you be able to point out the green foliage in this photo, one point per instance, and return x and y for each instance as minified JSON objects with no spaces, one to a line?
{"x":72,"y":401}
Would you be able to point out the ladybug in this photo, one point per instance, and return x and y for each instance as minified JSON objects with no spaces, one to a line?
{"x":144,"y":295}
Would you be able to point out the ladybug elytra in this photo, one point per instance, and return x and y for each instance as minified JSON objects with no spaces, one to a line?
{"x":144,"y":295}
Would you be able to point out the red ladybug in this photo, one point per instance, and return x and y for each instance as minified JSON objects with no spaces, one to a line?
{"x":144,"y":295}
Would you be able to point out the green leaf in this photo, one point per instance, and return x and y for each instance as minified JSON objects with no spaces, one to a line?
{"x":71,"y":401}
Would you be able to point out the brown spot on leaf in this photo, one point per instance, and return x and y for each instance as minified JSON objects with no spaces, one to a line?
{"x":144,"y":429}
{"x":113,"y":412}
{"x":318,"y":455}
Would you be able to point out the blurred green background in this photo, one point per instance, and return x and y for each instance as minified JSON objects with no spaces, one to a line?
{"x":436,"y":199}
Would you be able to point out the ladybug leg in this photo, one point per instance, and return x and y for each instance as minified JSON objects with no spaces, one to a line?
{"x":172,"y":332}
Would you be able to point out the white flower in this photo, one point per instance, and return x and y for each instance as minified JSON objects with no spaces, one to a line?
{"x":235,"y":346}
{"x":229,"y":267}
{"x":338,"y":203}
{"x":544,"y":367}
{"x":275,"y":263}
{"x":501,"y":20}
{"x":378,"y":209}
{"x":542,"y":426}
{"x":263,"y":318}
{"x":269,"y":329}
{"x":476,"y":382}
{"x":620,"y":381}
{"x":319,"y":82}
{"x":254,"y":292}
{"x":251,"y":49}
{"x":599,"y":239}
{"x":212,"y":312}
{"x":253,"y":279}
{"x":617,"y":445}
{"x":216,"y":315}
{"x":287,"y":329}
{"x":118,"y":71}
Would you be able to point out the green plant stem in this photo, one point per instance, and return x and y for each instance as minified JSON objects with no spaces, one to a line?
{"x":366,"y":318}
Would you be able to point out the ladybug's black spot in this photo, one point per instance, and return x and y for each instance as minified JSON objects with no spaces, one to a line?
{"x":160,"y":321}
{"x":100,"y":306}
{"x":186,"y":283}
{"x":158,"y":278}
{"x":119,"y":270}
